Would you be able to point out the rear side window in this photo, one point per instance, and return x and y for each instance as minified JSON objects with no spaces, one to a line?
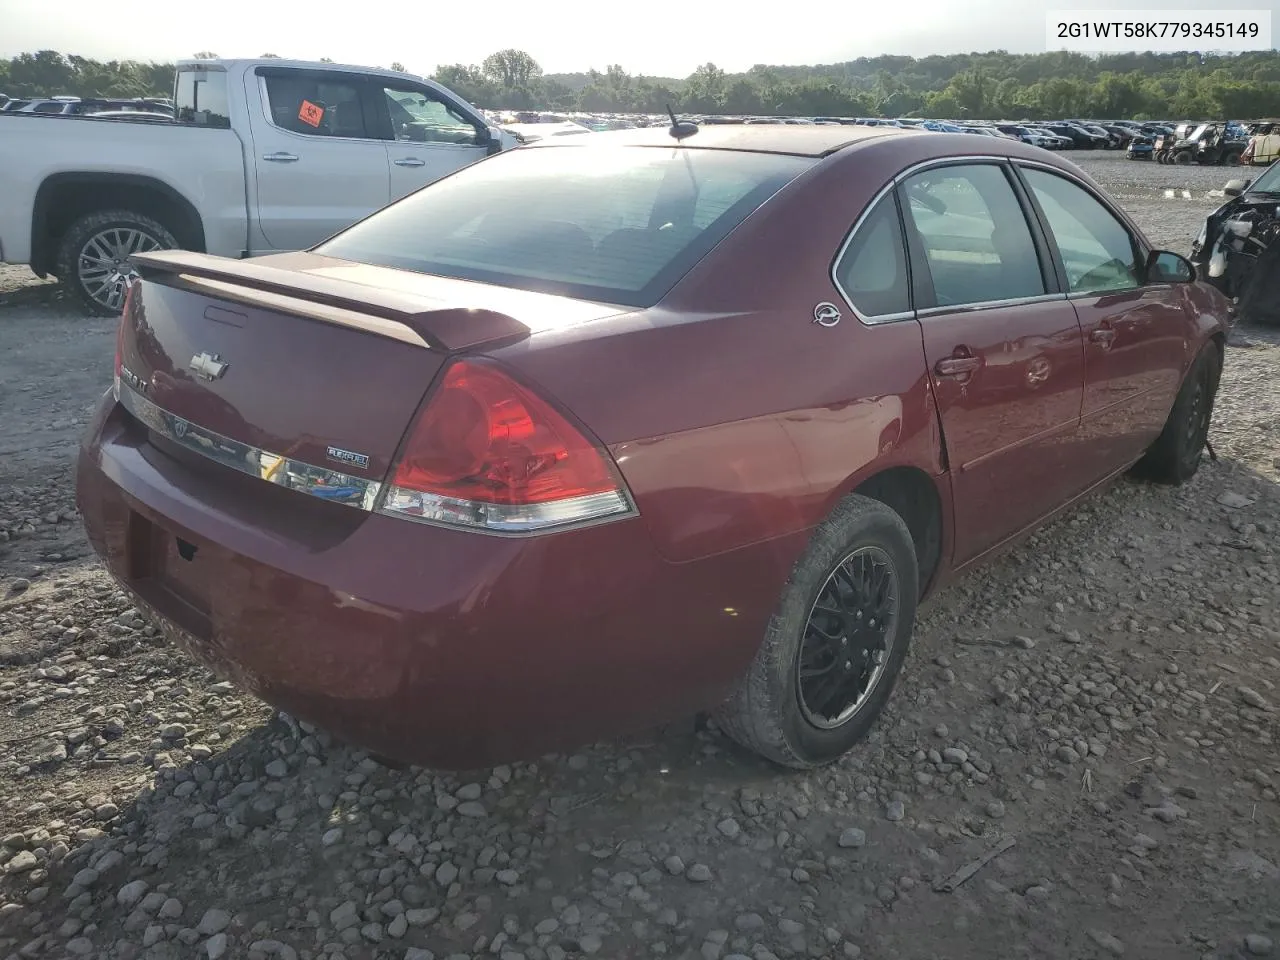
{"x":616,"y":224}
{"x":317,"y":105}
{"x":872,"y":271}
{"x":975,"y":236}
{"x":200,"y":98}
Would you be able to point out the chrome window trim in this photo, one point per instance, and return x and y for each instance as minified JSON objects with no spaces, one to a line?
{"x":989,"y":304}
{"x":250,"y":460}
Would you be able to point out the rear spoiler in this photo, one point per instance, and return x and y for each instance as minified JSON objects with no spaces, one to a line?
{"x":331,"y":300}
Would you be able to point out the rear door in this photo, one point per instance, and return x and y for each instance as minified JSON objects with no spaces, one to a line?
{"x":1135,"y":334}
{"x":1003,"y":349}
{"x":318,"y":160}
{"x":428,"y":136}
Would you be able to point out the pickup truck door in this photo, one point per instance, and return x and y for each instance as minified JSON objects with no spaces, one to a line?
{"x":318,"y":160}
{"x":428,"y":136}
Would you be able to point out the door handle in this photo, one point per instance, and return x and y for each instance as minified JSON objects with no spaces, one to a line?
{"x":956,"y":366}
{"x":1103,"y":335}
{"x":409,"y":162}
{"x":280,"y":157}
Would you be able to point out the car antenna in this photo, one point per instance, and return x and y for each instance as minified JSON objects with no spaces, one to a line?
{"x":680,"y":128}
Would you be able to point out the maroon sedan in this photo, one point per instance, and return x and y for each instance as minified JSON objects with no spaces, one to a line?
{"x":608,"y":430}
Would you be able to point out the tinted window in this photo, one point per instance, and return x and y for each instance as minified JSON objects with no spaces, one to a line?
{"x":872,"y":272}
{"x":419,"y":117}
{"x":200,"y":97}
{"x":1097,"y":249}
{"x":318,"y":105}
{"x":618,"y":224}
{"x":1269,"y":182}
{"x":975,"y":236}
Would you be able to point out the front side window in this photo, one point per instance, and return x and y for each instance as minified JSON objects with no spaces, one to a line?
{"x":316,"y":105}
{"x":1097,"y":249}
{"x":419,"y":117}
{"x":615,"y":224}
{"x":976,"y":241}
{"x":872,"y":272}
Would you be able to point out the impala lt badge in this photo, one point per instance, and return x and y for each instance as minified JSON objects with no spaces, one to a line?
{"x":208,"y":366}
{"x":826,"y":314}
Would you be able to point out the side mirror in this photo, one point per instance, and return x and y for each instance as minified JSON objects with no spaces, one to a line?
{"x":1236,"y":187}
{"x":1164,"y":266}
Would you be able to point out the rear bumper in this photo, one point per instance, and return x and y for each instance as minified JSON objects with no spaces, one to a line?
{"x":448,"y":648}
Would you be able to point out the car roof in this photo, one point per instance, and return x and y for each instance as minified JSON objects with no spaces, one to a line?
{"x":800,"y":140}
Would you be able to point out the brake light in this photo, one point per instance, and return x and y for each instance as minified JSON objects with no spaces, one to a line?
{"x":489,"y":453}
{"x":124,"y":318}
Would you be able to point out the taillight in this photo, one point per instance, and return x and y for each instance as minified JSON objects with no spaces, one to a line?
{"x":489,"y":453}
{"x":120,"y":327}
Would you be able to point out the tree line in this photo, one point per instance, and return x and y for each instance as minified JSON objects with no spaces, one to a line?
{"x":975,"y":86}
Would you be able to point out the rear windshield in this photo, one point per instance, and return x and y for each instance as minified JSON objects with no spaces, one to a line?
{"x":616,"y":224}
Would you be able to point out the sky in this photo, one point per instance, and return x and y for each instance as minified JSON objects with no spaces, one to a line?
{"x":658,"y":38}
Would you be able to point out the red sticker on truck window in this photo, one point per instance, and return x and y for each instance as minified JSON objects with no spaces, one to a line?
{"x":310,"y":113}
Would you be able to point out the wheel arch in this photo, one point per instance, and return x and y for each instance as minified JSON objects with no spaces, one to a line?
{"x":64,"y":198}
{"x":914,"y":495}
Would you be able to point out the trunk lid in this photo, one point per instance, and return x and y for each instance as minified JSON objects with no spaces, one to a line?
{"x":321,"y":361}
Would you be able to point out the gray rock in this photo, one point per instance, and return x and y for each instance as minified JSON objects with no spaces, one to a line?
{"x":79,"y":947}
{"x":471,"y":808}
{"x":1107,"y":942}
{"x":674,"y":865}
{"x":216,"y":946}
{"x":1257,"y":945}
{"x":699,"y":873}
{"x":344,"y":916}
{"x":171,"y":909}
{"x":131,"y":893}
{"x":23,"y":861}
{"x":470,"y":791}
{"x":277,"y":768}
{"x":446,"y":873}
{"x":213,"y":921}
{"x":895,"y":811}
{"x":852,"y":838}
{"x":1253,"y":698}
{"x":729,"y":827}
{"x":955,"y":755}
{"x":419,"y":953}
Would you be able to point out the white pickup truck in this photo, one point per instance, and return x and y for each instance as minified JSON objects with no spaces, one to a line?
{"x":263,"y":156}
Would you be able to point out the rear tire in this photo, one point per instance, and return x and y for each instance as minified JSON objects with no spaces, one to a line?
{"x":1175,"y":456}
{"x":859,"y":557}
{"x":1183,"y":158}
{"x":92,"y":259}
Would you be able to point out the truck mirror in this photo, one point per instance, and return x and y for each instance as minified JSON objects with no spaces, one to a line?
{"x":1234,"y":188}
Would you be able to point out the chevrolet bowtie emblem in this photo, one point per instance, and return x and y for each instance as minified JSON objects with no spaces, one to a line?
{"x":207,"y":366}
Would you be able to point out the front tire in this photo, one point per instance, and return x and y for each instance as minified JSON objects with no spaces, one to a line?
{"x":1175,"y":456}
{"x":836,"y":643}
{"x":93,"y":256}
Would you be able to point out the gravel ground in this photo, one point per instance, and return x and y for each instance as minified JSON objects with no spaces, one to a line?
{"x":1088,"y":723}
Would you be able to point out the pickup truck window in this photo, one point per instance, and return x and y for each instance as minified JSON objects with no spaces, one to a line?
{"x":418,"y":117}
{"x":200,"y":98}
{"x":316,"y":105}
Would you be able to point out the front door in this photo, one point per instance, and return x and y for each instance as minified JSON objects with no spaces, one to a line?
{"x":318,"y":163}
{"x":1003,"y":351}
{"x":430,"y":138}
{"x":1135,"y":334}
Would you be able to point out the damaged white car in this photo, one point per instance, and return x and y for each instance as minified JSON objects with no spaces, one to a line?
{"x":1238,"y":249}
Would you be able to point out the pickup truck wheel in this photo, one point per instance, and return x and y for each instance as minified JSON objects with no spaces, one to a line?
{"x":93,"y":257}
{"x":1175,"y":456}
{"x":836,"y":643}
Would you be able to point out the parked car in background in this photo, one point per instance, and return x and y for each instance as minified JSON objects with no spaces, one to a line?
{"x":1238,"y":248}
{"x":1141,"y":147}
{"x":1263,"y":147}
{"x":1028,"y":135}
{"x":549,"y":503}
{"x":265,"y":155}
